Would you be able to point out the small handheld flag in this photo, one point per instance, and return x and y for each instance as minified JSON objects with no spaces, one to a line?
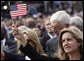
{"x":18,"y":10}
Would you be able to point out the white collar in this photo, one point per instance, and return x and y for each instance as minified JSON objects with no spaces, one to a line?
{"x":51,"y":36}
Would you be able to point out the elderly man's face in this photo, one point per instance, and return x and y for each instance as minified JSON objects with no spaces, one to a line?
{"x":56,"y":27}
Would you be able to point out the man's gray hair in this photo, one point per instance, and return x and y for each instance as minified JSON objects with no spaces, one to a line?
{"x":78,"y":21}
{"x":61,"y":16}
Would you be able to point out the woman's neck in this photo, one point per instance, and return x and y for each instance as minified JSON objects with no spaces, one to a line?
{"x":75,"y":55}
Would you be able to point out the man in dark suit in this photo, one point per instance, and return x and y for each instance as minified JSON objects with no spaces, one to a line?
{"x":48,"y":34}
{"x":52,"y":46}
{"x":58,"y":20}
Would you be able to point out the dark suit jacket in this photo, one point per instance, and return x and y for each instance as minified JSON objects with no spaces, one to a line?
{"x":9,"y":56}
{"x":52,"y":46}
{"x":44,"y":39}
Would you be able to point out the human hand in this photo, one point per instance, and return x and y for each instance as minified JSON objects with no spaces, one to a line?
{"x":2,"y":54}
{"x":17,"y":33}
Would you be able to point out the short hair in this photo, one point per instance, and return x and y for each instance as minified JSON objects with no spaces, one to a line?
{"x":60,"y":16}
{"x":47,"y":18}
{"x":31,"y":24}
{"x":78,"y":21}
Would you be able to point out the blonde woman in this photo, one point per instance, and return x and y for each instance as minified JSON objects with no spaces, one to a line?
{"x":33,"y":40}
{"x":26,"y":35}
{"x":31,"y":37}
{"x":70,"y":44}
{"x":30,"y":44}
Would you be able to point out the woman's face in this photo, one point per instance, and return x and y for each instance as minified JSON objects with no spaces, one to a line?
{"x":26,"y":36}
{"x":28,"y":39}
{"x":69,"y":43}
{"x":37,"y":30}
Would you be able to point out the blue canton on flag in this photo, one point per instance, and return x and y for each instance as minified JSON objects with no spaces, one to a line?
{"x":13,"y":8}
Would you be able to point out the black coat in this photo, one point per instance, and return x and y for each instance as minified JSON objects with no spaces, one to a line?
{"x":52,"y":46}
{"x":44,"y":39}
{"x":9,"y":56}
{"x":33,"y":55}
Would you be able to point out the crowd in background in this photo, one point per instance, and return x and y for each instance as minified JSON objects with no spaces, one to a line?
{"x":45,"y":31}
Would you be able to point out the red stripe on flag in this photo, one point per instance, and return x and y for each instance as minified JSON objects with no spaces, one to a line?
{"x":22,"y":10}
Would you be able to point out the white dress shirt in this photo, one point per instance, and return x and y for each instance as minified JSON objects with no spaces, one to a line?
{"x":52,"y":36}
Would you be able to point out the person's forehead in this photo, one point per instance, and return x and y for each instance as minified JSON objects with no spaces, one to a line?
{"x":56,"y":23}
{"x":67,"y":35}
{"x":47,"y":21}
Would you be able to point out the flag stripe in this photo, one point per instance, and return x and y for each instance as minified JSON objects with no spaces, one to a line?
{"x":21,"y":10}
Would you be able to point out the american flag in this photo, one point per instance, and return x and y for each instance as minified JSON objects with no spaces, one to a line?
{"x":18,"y":10}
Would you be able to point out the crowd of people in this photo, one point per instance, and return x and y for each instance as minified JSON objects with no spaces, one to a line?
{"x":39,"y":37}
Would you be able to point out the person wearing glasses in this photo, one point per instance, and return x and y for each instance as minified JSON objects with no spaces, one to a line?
{"x":58,"y":21}
{"x":70,"y":46}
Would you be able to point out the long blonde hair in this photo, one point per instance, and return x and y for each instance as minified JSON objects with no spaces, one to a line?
{"x":21,"y":28}
{"x":77,"y":34}
{"x":33,"y":36}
